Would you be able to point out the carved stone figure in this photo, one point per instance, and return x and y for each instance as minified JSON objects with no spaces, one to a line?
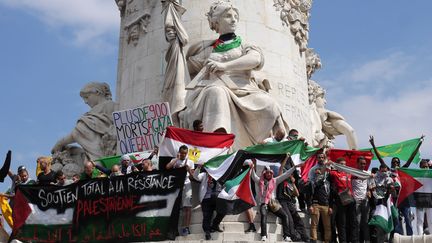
{"x":70,"y":160}
{"x":137,"y":14}
{"x":313,"y":62}
{"x":333,"y":124}
{"x":223,"y":94}
{"x":295,"y":14}
{"x":121,"y":4}
{"x":176,"y":73}
{"x":94,"y":130}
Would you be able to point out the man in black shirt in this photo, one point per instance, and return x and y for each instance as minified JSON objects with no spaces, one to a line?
{"x":287,"y":193}
{"x":47,"y":176}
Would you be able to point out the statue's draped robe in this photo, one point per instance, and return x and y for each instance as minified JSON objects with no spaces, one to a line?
{"x":248,"y":112}
{"x":91,"y":128}
{"x":176,"y":70}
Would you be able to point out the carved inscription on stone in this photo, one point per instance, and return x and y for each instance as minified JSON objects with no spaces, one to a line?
{"x":137,"y":15}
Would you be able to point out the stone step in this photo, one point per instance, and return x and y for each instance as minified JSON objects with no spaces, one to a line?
{"x":216,"y":241}
{"x":237,"y":227}
{"x":271,"y":218}
{"x":231,"y":237}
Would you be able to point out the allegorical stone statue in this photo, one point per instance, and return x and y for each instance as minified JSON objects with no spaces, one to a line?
{"x":223,"y":93}
{"x":333,"y":124}
{"x":94,"y":130}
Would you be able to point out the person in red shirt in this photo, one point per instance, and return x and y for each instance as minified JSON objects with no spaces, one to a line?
{"x":346,"y":221}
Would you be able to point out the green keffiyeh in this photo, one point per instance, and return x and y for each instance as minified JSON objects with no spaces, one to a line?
{"x":220,"y":46}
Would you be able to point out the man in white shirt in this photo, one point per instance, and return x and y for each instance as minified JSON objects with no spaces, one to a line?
{"x":179,"y":162}
{"x":361,"y":192}
{"x":279,"y":136}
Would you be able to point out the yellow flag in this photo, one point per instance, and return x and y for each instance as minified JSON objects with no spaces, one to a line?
{"x":6,"y":210}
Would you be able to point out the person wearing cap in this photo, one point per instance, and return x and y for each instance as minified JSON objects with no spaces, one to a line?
{"x":21,"y":178}
{"x":267,"y":184}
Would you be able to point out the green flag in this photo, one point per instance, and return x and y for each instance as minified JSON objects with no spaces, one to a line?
{"x":402,"y":150}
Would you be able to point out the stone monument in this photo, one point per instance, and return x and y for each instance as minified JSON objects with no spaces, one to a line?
{"x":279,"y":28}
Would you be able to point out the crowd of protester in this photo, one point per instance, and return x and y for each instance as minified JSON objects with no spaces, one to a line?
{"x":334,"y":216}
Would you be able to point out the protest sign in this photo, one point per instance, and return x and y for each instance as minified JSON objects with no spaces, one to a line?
{"x":134,"y":207}
{"x":141,"y":128}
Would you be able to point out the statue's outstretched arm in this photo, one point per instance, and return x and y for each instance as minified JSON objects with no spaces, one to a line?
{"x":58,"y":147}
{"x":334,"y":115}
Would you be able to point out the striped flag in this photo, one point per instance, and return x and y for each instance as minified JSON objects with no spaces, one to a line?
{"x":225,"y":167}
{"x":383,"y":216}
{"x":202,"y":145}
{"x":416,"y":187}
{"x":237,"y":195}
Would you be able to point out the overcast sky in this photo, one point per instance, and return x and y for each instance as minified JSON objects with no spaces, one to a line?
{"x":376,"y":58}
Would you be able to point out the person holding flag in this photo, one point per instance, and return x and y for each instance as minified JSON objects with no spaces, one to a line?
{"x":346,"y":220}
{"x":208,"y":194}
{"x":381,"y":187}
{"x":321,"y":201}
{"x":404,"y":209}
{"x":362,"y":194}
{"x":179,"y":162}
{"x":267,"y":184}
{"x":420,"y":212}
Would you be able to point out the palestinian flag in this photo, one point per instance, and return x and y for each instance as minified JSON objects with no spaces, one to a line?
{"x":416,"y":187}
{"x":350,"y":156}
{"x":402,"y":150}
{"x":237,"y":195}
{"x":202,"y":145}
{"x":383,"y":216}
{"x":225,"y":167}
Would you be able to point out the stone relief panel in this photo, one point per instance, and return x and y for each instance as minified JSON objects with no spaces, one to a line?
{"x":136,"y":15}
